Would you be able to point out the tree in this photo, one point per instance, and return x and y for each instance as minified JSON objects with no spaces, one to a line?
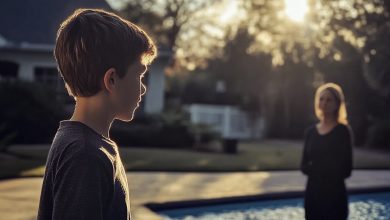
{"x":376,"y":60}
{"x":187,"y":28}
{"x":245,"y":75}
{"x":280,"y":62}
{"x":336,"y":45}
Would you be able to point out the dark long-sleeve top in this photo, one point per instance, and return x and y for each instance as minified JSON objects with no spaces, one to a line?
{"x":327,"y":156}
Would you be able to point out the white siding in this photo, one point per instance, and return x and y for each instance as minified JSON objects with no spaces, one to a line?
{"x":27,"y":61}
{"x":154,"y":97}
{"x":229,"y":121}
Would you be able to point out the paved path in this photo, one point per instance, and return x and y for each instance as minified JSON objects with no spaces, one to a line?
{"x":19,"y":197}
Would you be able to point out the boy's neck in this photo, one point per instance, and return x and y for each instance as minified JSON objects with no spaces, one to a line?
{"x":93,"y":112}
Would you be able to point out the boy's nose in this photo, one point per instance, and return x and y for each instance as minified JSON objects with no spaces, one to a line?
{"x":143,"y":89}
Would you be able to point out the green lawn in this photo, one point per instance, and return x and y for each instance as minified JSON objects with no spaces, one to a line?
{"x":267,"y":155}
{"x":251,"y":157}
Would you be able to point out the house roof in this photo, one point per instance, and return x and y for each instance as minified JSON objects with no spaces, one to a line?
{"x":31,"y":25}
{"x":27,"y":22}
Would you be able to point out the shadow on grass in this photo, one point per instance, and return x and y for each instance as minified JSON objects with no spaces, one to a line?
{"x":14,"y":165}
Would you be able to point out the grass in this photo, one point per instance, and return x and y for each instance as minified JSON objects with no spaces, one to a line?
{"x":251,"y":157}
{"x":267,"y":155}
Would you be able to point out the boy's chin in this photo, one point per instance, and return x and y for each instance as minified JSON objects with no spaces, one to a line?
{"x":126,"y":117}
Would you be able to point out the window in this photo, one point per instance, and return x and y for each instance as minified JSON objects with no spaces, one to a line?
{"x":47,"y":75}
{"x":50,"y":77}
{"x":8,"y":71}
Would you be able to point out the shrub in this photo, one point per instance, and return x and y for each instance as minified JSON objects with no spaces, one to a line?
{"x":378,"y":134}
{"x":30,"y":111}
{"x":168,"y":130}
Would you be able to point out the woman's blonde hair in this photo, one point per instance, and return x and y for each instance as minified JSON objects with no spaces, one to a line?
{"x":337,"y":92}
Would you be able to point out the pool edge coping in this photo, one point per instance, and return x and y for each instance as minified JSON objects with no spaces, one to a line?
{"x":162,"y":206}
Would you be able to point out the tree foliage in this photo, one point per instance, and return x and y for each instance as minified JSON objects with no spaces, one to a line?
{"x":265,"y":55}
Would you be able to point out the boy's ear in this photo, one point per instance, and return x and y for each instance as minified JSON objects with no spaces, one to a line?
{"x":109,"y":79}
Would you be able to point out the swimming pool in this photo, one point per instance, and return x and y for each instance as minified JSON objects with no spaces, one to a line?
{"x":368,"y":206}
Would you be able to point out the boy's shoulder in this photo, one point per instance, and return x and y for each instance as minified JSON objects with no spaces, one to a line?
{"x":75,"y":140}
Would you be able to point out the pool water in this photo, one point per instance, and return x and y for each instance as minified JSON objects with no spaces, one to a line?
{"x":370,"y":206}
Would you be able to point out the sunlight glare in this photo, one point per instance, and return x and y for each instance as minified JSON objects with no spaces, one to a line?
{"x":296,"y":10}
{"x":230,"y":11}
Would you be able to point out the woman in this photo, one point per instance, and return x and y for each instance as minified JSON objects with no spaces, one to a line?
{"x":327,"y":157}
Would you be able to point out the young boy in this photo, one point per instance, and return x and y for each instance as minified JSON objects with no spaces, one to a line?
{"x":102,"y":59}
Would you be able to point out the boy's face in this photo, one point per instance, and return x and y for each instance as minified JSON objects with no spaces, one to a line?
{"x":129,"y":91}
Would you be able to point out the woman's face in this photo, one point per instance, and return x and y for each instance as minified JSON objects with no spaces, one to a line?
{"x":328,"y":103}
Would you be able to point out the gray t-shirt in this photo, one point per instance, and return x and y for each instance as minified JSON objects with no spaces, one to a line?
{"x":84,"y":177}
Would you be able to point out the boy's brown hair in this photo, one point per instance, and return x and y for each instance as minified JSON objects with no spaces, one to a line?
{"x":91,"y":41}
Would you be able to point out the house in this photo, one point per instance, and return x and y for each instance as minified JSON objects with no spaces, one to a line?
{"x":27,"y":36}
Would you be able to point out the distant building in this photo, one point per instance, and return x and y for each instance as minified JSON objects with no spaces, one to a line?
{"x":27,"y":36}
{"x":229,"y":121}
{"x":215,"y":106}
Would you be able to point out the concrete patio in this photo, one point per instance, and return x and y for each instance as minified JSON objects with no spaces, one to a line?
{"x":19,"y":197}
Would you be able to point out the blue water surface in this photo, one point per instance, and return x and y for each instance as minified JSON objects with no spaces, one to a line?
{"x":370,"y":206}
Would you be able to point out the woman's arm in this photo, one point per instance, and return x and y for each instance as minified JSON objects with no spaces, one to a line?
{"x":306,"y":163}
{"x":346,"y":140}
